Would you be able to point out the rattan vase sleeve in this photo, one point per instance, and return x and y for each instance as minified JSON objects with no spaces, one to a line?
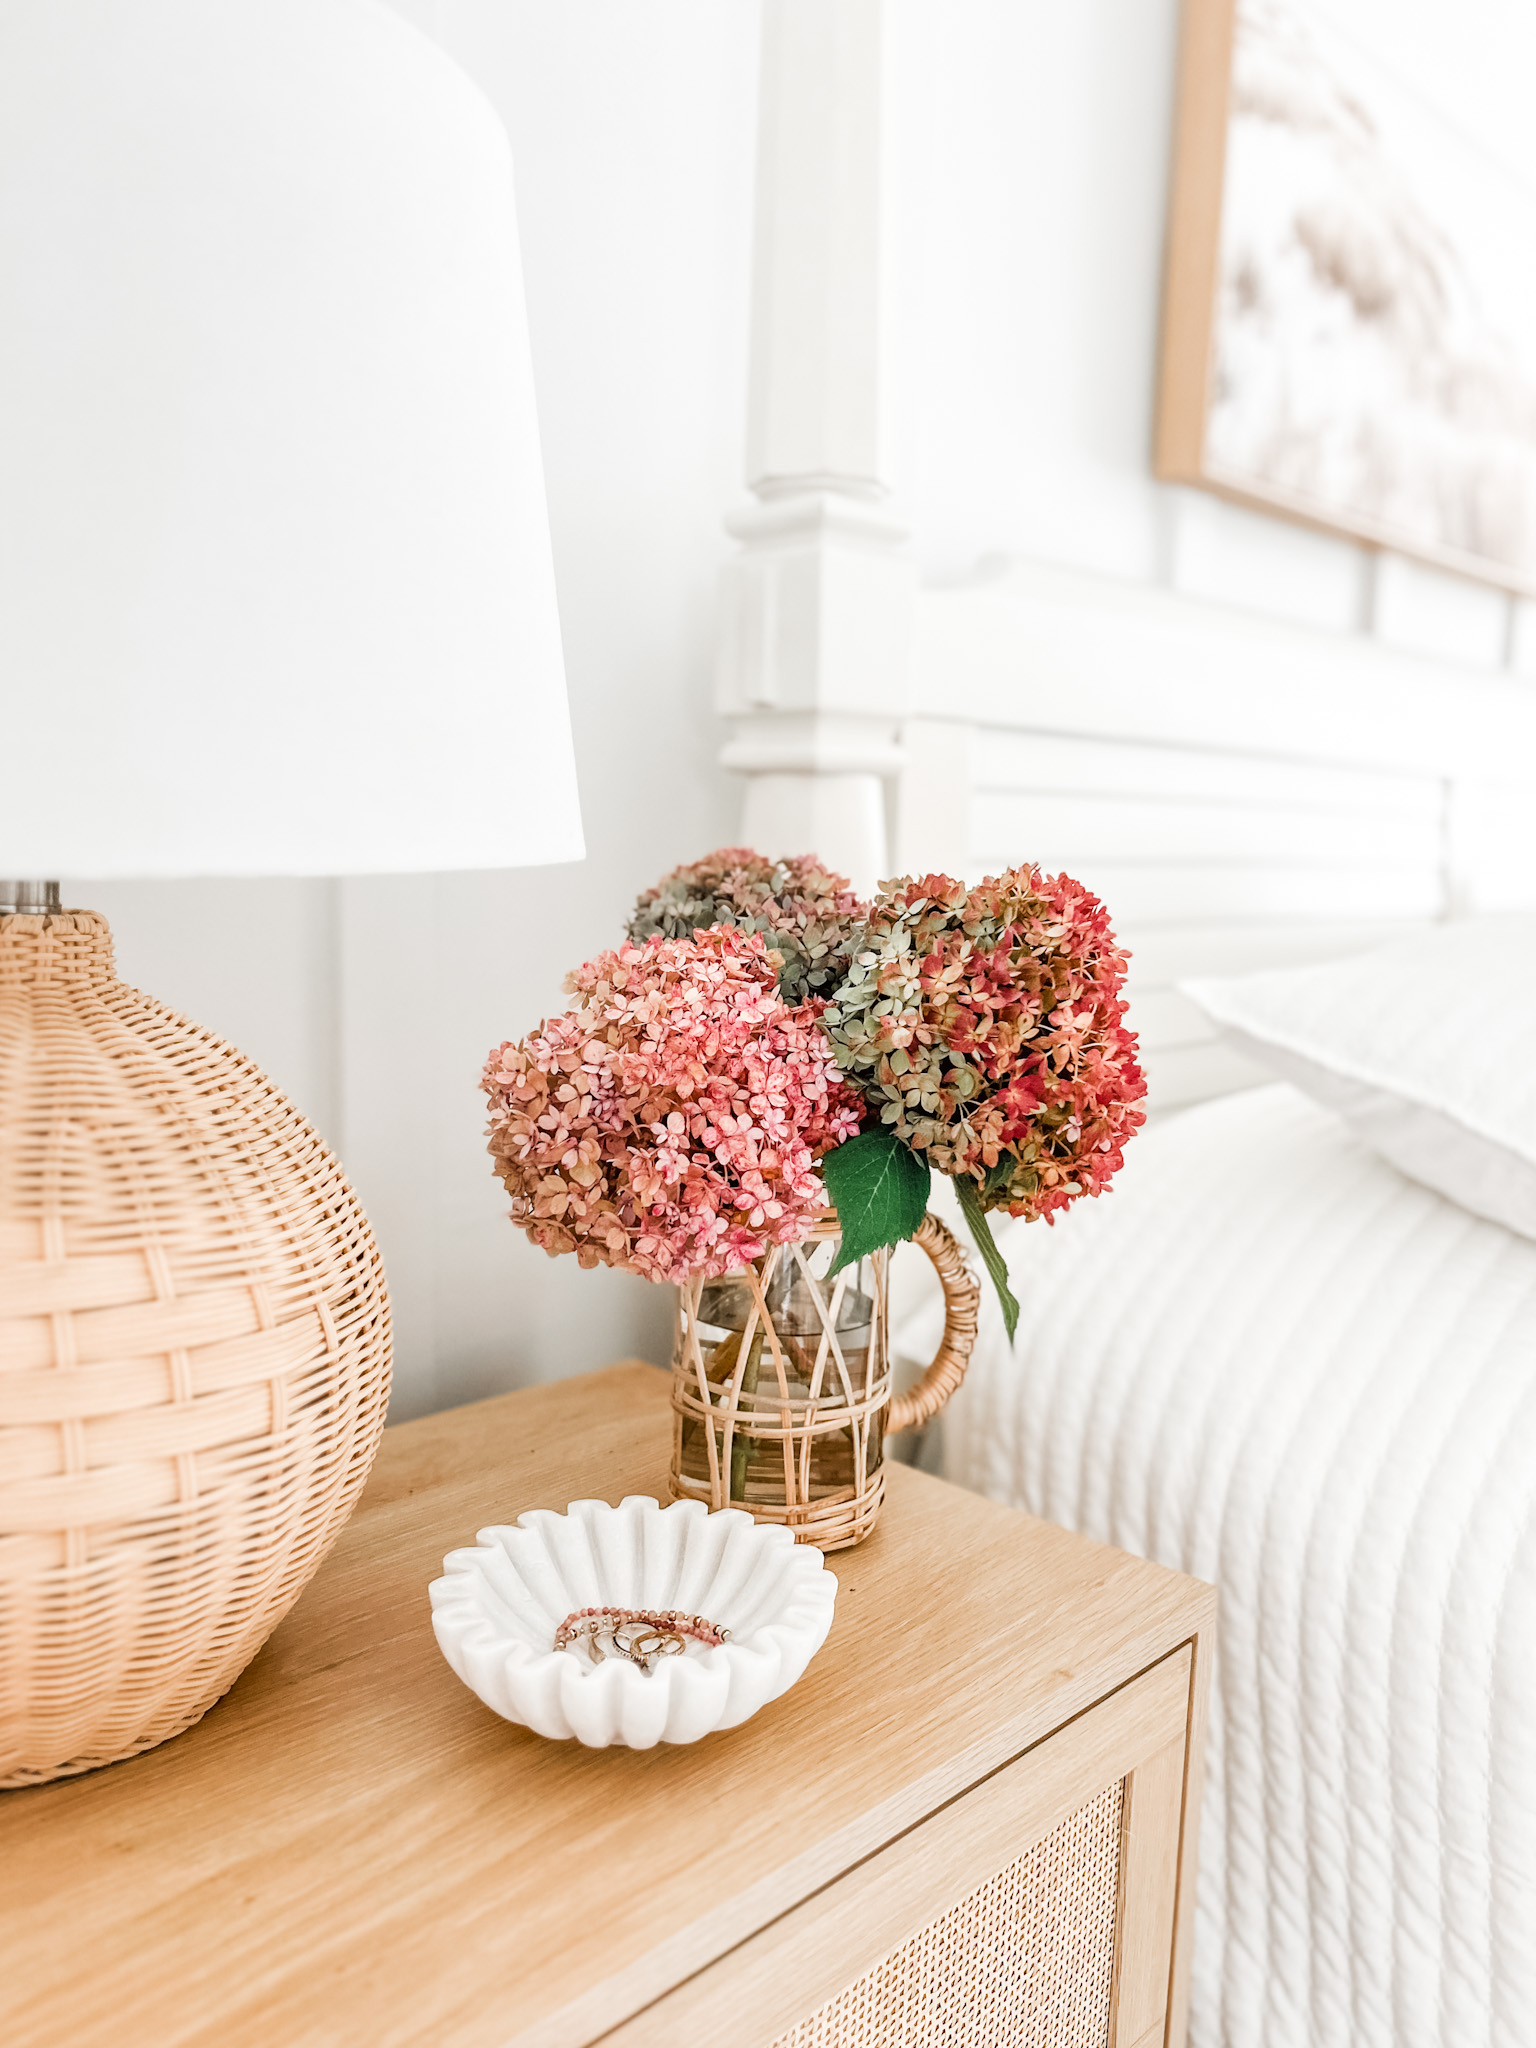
{"x":194,"y":1357}
{"x":962,"y":1305}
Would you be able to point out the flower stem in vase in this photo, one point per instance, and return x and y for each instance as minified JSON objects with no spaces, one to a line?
{"x":723,"y":1363}
{"x":741,"y":1446}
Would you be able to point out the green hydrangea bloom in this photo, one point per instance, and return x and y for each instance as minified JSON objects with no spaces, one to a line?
{"x":808,"y":916}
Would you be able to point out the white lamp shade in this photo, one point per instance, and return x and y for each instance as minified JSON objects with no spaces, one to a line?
{"x":275,"y":584}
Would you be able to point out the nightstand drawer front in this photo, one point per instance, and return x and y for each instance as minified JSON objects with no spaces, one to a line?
{"x":1028,"y":1957}
{"x":1029,"y":1877}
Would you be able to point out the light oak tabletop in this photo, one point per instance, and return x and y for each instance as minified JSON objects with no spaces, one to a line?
{"x":350,"y":1848}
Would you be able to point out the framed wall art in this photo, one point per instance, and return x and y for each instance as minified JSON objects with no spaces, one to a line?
{"x":1349,"y":326}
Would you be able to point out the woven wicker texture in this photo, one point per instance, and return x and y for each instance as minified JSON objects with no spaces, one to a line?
{"x":804,"y":1445}
{"x":1027,"y":1961}
{"x":962,"y":1310}
{"x":194,"y":1357}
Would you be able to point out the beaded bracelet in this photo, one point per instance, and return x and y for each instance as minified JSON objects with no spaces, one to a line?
{"x":596,"y":1621}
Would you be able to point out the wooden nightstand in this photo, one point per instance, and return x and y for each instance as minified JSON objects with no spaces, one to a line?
{"x":984,"y":1790}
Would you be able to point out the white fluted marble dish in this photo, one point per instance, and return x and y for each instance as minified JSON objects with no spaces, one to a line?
{"x":496,"y":1608}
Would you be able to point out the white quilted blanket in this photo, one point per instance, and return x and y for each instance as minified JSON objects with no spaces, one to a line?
{"x":1269,"y":1360}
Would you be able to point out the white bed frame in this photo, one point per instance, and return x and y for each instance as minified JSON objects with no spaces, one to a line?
{"x":1240,"y":791}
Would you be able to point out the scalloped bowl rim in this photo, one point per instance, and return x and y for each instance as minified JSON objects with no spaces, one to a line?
{"x":495,"y":1625}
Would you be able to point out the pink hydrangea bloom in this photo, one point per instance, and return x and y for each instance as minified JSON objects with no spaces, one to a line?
{"x":670,"y":1122}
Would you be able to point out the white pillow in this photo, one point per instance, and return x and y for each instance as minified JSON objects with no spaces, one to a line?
{"x":1426,"y":1046}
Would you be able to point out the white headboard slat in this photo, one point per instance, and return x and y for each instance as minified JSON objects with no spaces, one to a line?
{"x":1241,"y":794}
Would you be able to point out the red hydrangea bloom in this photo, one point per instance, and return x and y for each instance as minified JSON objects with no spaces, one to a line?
{"x":986,"y":1026}
{"x":670,"y":1122}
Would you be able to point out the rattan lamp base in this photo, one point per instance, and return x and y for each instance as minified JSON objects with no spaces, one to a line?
{"x":194,"y":1357}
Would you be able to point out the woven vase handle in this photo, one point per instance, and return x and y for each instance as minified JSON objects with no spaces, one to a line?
{"x":962,"y":1300}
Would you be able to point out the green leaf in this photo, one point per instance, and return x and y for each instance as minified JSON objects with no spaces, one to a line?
{"x":992,"y":1258}
{"x":879,"y":1188}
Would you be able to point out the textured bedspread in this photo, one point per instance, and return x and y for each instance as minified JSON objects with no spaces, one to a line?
{"x":1269,"y":1360}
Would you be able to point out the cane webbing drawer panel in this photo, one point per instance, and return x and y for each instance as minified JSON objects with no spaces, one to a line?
{"x":1076,"y":1832}
{"x":1027,"y":1961}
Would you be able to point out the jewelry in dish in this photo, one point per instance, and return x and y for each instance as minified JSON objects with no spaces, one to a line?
{"x":662,"y":1634}
{"x":640,"y":1644}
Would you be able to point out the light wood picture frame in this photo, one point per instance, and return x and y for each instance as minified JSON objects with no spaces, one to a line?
{"x":1349,"y":311}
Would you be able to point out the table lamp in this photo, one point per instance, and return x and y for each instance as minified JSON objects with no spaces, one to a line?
{"x":275,"y":599}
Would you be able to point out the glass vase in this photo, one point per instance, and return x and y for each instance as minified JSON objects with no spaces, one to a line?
{"x":781,"y":1383}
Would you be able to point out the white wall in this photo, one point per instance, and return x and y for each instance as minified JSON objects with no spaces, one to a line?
{"x":1028,"y":178}
{"x":1032,"y":140}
